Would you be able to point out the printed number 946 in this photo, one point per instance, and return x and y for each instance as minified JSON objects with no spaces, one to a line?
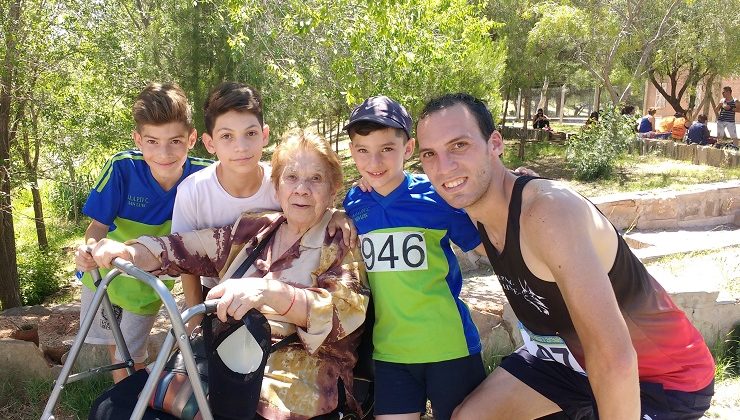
{"x":394,"y":251}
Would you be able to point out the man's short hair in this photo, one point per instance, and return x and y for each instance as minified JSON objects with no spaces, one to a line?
{"x":162,"y":103}
{"x":231,"y":96}
{"x":477,"y":107}
{"x":727,"y":88}
{"x":702,"y":118}
{"x":364,"y":128}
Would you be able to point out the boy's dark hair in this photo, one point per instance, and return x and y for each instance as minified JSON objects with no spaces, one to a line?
{"x":162,"y":103}
{"x":702,"y":118}
{"x":477,"y":107}
{"x":727,"y":88}
{"x":364,"y":128}
{"x":231,"y":96}
{"x":628,"y":110}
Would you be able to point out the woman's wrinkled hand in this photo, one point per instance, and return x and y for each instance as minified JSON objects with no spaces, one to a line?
{"x":237,"y":296}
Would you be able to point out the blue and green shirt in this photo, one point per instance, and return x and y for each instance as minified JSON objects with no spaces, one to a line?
{"x":128,"y":199}
{"x":414,"y":276}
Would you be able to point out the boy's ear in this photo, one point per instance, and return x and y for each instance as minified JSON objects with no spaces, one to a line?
{"x":409,"y":148}
{"x":137,"y":138}
{"x":208,"y":143}
{"x":265,"y":135}
{"x":192,"y":138}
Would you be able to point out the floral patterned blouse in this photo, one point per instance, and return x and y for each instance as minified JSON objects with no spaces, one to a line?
{"x":301,"y":379}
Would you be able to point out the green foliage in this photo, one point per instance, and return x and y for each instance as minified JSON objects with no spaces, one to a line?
{"x":726,"y":353}
{"x":67,"y":198}
{"x":594,"y":152}
{"x":39,"y":274}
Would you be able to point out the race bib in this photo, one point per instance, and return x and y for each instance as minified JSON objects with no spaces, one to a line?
{"x":550,"y":348}
{"x":394,"y":251}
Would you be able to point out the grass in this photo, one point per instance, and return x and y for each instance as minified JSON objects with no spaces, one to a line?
{"x":24,"y":398}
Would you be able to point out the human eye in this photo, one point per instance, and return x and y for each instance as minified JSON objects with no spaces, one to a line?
{"x":459,"y":145}
{"x":177,"y":141}
{"x":226,"y":136}
{"x":427,"y":154}
{"x":251,"y":133}
{"x":361,"y":150}
{"x":387,"y":149}
{"x":290,"y":177}
{"x":317,"y":178}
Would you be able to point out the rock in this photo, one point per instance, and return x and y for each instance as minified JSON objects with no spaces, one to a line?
{"x":22,"y":357}
{"x":26,"y":310}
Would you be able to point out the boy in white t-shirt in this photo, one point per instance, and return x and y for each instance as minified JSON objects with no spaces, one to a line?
{"x":237,"y":182}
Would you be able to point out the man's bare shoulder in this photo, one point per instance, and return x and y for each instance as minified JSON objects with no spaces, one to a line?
{"x":550,"y":206}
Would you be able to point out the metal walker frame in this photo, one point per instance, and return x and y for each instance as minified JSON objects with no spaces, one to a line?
{"x":177,"y":334}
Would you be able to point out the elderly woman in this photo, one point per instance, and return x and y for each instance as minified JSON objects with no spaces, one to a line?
{"x":304,"y":280}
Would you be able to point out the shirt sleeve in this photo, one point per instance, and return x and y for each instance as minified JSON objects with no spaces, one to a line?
{"x":462,"y":231}
{"x":107,"y":195}
{"x":207,"y":252}
{"x":184,"y":213}
{"x":338,"y":304}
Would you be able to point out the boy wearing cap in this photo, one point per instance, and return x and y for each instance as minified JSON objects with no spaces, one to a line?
{"x":425,"y":343}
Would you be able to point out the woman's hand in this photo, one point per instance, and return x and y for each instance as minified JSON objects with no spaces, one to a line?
{"x":237,"y":296}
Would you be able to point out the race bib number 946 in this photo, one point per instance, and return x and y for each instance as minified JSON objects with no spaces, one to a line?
{"x":394,"y":251}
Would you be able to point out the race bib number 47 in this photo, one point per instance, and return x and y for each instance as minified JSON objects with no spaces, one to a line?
{"x":394,"y":251}
{"x":550,"y":348}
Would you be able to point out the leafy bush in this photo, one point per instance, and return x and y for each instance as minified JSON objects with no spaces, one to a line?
{"x":39,"y":273}
{"x":67,"y":198}
{"x":594,"y":152}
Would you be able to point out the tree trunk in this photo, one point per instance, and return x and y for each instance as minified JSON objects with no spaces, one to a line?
{"x":339,"y":131}
{"x":527,"y":111}
{"x":9,"y":285}
{"x":561,"y":104}
{"x":32,"y":165}
{"x":543,"y":96}
{"x":519,"y":105}
{"x":597,"y":98}
{"x":506,"y":108}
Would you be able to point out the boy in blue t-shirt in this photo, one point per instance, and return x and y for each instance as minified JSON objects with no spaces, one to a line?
{"x":425,"y":343}
{"x":134,"y":196}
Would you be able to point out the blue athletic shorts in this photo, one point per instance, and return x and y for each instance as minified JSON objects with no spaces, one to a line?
{"x":572,"y":392}
{"x":404,"y":388}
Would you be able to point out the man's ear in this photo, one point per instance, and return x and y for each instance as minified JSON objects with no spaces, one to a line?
{"x":409,"y":148}
{"x":208,"y":143}
{"x":265,"y":135}
{"x":496,"y":143}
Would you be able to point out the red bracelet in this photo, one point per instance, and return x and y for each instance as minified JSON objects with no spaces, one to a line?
{"x":292,"y":301}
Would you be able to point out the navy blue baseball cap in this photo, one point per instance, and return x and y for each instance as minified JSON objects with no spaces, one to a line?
{"x":382,"y":110}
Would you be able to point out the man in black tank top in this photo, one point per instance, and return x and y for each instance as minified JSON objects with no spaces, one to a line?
{"x":602,"y":337}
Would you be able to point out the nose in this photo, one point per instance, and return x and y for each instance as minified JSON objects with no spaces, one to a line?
{"x":445,"y":163}
{"x":375,"y":159}
{"x":302,"y":187}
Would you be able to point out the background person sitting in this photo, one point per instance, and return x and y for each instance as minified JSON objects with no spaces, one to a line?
{"x":680,"y":124}
{"x":664,"y":127}
{"x":593,"y":118}
{"x":646,"y":124}
{"x":541,"y":120}
{"x":699,"y":132}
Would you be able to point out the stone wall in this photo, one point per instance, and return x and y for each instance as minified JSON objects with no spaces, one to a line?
{"x":699,"y":205}
{"x":699,"y":155}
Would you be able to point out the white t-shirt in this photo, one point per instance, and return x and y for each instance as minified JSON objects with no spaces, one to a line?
{"x":202,"y":203}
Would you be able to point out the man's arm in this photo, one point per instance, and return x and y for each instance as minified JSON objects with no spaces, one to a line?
{"x":579,"y":265}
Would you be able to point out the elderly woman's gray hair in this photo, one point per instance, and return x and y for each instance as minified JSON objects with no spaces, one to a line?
{"x":309,"y":142}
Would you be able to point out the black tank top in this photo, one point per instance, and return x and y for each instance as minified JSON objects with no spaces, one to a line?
{"x":670,"y":350}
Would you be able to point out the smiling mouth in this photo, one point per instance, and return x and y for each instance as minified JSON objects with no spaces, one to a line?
{"x":455,"y":183}
{"x":376,"y":174}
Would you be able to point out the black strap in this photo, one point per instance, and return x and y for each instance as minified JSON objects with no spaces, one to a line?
{"x":253,"y":256}
{"x":243,"y":269}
